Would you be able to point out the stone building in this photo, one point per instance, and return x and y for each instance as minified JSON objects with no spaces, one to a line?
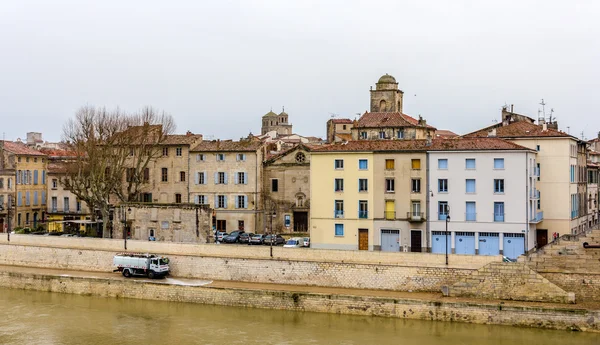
{"x":7,"y":190}
{"x":277,"y":123}
{"x":386,"y":119}
{"x":287,"y":190}
{"x":165,"y":222}
{"x":227,"y":176}
{"x":339,"y":130}
{"x":29,"y":166}
{"x":592,"y":190}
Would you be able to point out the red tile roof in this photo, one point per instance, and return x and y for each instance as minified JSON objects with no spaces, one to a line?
{"x":227,"y":145}
{"x":445,"y":134}
{"x":341,"y":121}
{"x":371,"y":120}
{"x":344,"y":136}
{"x":19,"y":149}
{"x":456,"y":144}
{"x":518,"y":130}
{"x":181,"y":139}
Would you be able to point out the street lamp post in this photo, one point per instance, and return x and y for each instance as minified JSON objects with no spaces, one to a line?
{"x":272,"y":215}
{"x":447,"y":221}
{"x":125,"y":225}
{"x":8,"y":208}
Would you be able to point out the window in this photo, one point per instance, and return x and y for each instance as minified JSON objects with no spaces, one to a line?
{"x":389,"y":185}
{"x":27,"y":198}
{"x":499,"y":186}
{"x":539,"y":202}
{"x":442,"y":164}
{"x":471,"y":211}
{"x":382,"y":135}
{"x":201,"y":178}
{"x":78,"y":206}
{"x":537,"y":148}
{"x":443,"y":210}
{"x":241,"y":201}
{"x":416,"y":209}
{"x":182,"y":176}
{"x":146,"y":197}
{"x":400,"y":134}
{"x":221,"y":178}
{"x":9,"y":183}
{"x":200,"y":157}
{"x":221,"y":225}
{"x":240,"y":225}
{"x":363,"y":135}
{"x":178,"y":198}
{"x":470,"y":163}
{"x":339,"y":209}
{"x":146,"y":175}
{"x":35,"y":198}
{"x":221,"y":201}
{"x":339,"y":185}
{"x":241,"y":178}
{"x":416,"y":185}
{"x":470,"y":186}
{"x":363,"y":209}
{"x":66,"y":204}
{"x":389,"y":164}
{"x":220,"y":157}
{"x":498,"y":211}
{"x":240,"y":157}
{"x":178,"y":151}
{"x":43,"y":176}
{"x":164,"y":175}
{"x":363,"y":164}
{"x":54,"y":183}
{"x":498,"y":163}
{"x":362,"y":185}
{"x":339,"y":164}
{"x":165,"y":151}
{"x":415,"y":164}
{"x":54,"y":204}
{"x":1,"y":183}
{"x":572,"y":173}
{"x":201,"y":199}
{"x":35,"y":177}
{"x":274,"y":185}
{"x":344,"y":127}
{"x":339,"y":229}
{"x":538,"y":171}
{"x":443,"y":185}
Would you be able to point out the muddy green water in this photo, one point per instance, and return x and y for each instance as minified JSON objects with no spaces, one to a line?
{"x":31,"y":317}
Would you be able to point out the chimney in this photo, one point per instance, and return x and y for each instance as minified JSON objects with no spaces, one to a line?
{"x":545,"y":126}
{"x":188,"y":133}
{"x":492,"y":133}
{"x":512,"y":106}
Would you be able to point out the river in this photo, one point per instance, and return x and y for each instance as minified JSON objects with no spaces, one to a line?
{"x":42,"y":318}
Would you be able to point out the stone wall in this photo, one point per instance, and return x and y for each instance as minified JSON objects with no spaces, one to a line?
{"x":533,"y":316}
{"x":509,"y":281}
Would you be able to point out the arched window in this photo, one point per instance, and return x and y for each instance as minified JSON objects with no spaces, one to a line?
{"x":382,"y":106}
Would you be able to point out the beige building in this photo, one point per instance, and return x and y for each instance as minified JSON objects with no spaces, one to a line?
{"x":227,"y":176}
{"x":339,"y":130}
{"x":593,"y":212}
{"x":7,"y":195}
{"x":29,"y":166}
{"x":287,"y":190}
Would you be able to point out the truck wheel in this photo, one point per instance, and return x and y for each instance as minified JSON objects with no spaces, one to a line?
{"x":151,"y":275}
{"x":126,"y":273}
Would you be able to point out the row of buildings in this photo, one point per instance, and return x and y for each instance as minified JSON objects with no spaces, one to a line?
{"x":385,"y":181}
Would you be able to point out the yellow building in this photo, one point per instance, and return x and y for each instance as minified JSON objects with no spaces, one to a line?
{"x":29,"y":166}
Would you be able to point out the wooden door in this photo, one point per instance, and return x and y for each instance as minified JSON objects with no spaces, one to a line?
{"x":363,"y":239}
{"x":415,"y":241}
{"x":301,"y":221}
{"x":542,"y":237}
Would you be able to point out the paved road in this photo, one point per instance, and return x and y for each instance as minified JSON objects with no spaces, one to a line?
{"x":423,"y":296}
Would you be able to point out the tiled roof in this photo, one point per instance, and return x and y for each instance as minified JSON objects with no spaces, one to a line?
{"x":57,"y":167}
{"x":445,"y":134}
{"x":56,"y":153}
{"x":20,"y":149}
{"x":518,"y":130}
{"x":227,"y":145}
{"x":456,"y":144}
{"x":388,"y":120}
{"x":344,"y":136}
{"x":181,"y":139}
{"x":341,"y":121}
{"x":274,"y":156}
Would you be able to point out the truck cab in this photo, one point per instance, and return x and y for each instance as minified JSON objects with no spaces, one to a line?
{"x":137,"y":264}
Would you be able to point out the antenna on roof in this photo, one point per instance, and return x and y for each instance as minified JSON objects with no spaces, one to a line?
{"x":551,"y":112}
{"x":568,"y":130}
{"x":333,"y":115}
{"x":582,"y":138}
{"x":543,"y":104}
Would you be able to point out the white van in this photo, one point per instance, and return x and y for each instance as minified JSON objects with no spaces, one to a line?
{"x":294,"y":242}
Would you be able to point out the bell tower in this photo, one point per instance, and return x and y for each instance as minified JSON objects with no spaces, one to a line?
{"x":386,"y":98}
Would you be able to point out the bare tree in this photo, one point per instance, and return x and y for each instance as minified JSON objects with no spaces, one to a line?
{"x":111,"y":151}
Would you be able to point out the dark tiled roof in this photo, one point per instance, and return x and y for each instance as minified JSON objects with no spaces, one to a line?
{"x":57,"y":167}
{"x":457,"y":144}
{"x":371,"y":120}
{"x":227,"y":145}
{"x":518,"y":130}
{"x":341,"y":121}
{"x":181,"y":139}
{"x":20,"y":149}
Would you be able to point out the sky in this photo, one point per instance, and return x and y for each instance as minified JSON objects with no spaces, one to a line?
{"x":218,"y":66}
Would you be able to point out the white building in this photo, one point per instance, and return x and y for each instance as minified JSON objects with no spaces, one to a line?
{"x":491,"y":198}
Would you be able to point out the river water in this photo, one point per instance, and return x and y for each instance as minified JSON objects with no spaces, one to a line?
{"x":32,"y":317}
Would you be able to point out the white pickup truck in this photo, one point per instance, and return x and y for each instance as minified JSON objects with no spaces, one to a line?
{"x":138,"y":264}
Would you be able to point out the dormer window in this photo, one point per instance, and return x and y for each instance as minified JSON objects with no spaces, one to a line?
{"x":382,"y":135}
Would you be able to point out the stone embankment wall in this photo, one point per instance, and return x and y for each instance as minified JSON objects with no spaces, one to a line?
{"x":509,"y":281}
{"x":329,"y":268}
{"x":482,"y":313}
{"x":569,"y":265}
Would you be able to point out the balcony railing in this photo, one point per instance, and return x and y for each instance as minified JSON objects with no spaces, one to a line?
{"x":538,"y":217}
{"x":442,"y":216}
{"x":390,"y":215}
{"x":534,"y":194}
{"x":415,"y":216}
{"x":498,"y":217}
{"x":471,"y":216}
{"x":535,"y":172}
{"x":338,"y":214}
{"x":363,"y":214}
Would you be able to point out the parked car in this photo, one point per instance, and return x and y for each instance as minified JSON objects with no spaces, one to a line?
{"x":306,"y":242}
{"x":233,"y":237}
{"x":277,"y":240}
{"x":245,"y":237}
{"x":221,"y":235}
{"x":257,"y":239}
{"x":507,"y":259}
{"x":295,"y":242}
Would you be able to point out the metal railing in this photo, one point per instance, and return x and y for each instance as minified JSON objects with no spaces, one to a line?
{"x":534,"y":193}
{"x":338,"y":214}
{"x":415,"y":216}
{"x":442,"y":216}
{"x":363,"y":214}
{"x":390,"y":215}
{"x":498,"y":217}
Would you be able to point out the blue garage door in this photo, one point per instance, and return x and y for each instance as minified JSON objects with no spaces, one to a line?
{"x":514,"y":245}
{"x":489,"y":243}
{"x":438,"y":239}
{"x":465,"y":243}
{"x":390,"y":240}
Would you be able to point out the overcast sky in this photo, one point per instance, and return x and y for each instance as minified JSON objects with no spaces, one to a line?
{"x":218,"y":66}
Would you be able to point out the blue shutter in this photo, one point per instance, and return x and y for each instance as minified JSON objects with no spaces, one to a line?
{"x":216,"y":201}
{"x":27,"y":198}
{"x":226,"y":180}
{"x":43,"y":197}
{"x":19,"y":199}
{"x":470,"y":186}
{"x":225,"y":201}
{"x":197,"y":177}
{"x":216,"y":178}
{"x":43,"y":176}
{"x":205,"y":176}
{"x":237,"y":204}
{"x":245,"y":178}
{"x":35,"y":197}
{"x":235,"y":177}
{"x":245,"y":201}
{"x":35,"y":177}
